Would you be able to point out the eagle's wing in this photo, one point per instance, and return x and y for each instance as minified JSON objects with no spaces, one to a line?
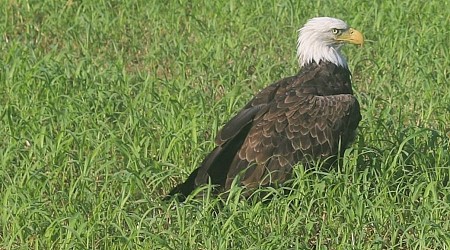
{"x":292,"y":128}
{"x":216,"y":165}
{"x":257,"y":106}
{"x":278,"y":128}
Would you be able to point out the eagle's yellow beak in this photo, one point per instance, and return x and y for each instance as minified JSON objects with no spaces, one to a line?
{"x":351,"y":36}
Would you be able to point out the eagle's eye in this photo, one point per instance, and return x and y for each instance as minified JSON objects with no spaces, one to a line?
{"x":336,"y":31}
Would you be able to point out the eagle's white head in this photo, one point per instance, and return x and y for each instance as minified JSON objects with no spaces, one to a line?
{"x":321,"y":38}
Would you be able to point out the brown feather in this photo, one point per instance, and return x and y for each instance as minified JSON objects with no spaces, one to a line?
{"x":305,"y":117}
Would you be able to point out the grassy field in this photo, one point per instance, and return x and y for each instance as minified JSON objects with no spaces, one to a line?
{"x":106,"y":105}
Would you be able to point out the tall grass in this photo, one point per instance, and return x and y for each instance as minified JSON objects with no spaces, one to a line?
{"x":106,"y":105}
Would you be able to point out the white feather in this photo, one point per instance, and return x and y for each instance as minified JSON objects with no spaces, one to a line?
{"x":316,"y":42}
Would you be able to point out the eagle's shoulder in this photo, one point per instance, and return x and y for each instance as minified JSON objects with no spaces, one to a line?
{"x":254,"y":108}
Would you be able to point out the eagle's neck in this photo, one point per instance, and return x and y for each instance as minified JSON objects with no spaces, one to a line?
{"x":325,"y":78}
{"x":310,"y":50}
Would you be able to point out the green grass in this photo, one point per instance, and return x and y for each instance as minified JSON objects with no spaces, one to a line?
{"x":106,"y":105}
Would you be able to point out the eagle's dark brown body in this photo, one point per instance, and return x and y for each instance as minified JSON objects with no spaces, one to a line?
{"x":309,"y":116}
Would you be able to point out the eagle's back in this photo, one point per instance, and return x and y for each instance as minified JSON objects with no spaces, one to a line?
{"x":309,"y":116}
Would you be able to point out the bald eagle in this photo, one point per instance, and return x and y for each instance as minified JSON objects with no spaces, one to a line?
{"x":299,"y":119}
